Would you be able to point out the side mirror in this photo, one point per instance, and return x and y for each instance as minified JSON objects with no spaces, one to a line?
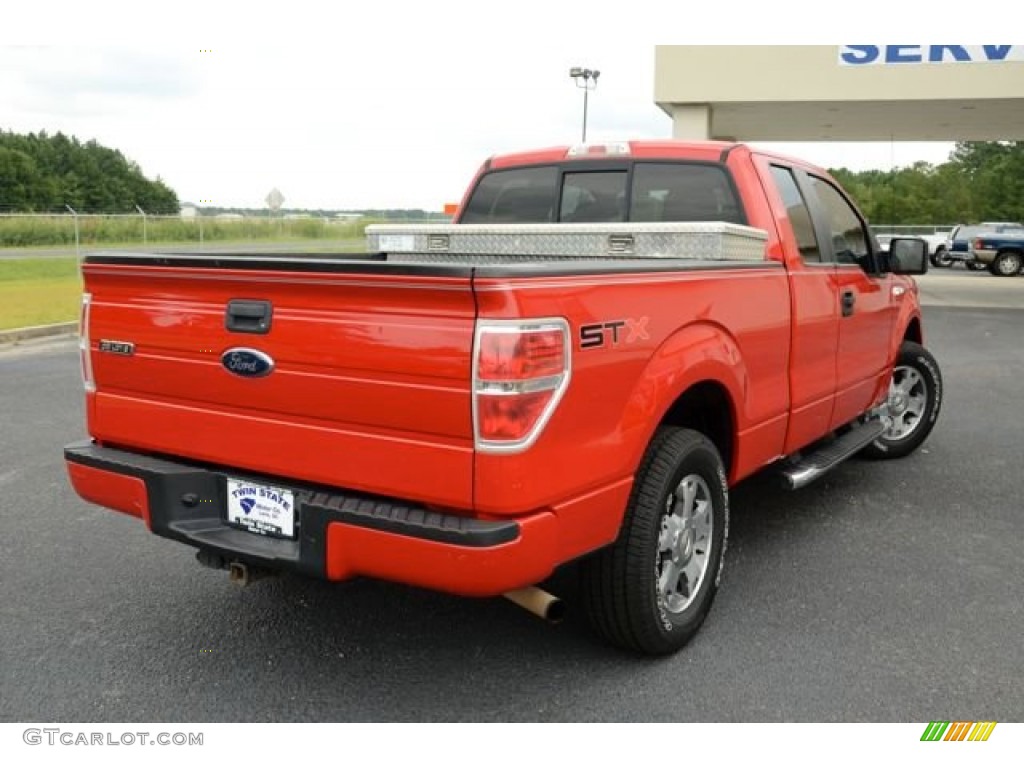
{"x":908,"y":256}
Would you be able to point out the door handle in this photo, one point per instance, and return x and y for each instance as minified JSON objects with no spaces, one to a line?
{"x":849,"y":299}
{"x":248,"y":316}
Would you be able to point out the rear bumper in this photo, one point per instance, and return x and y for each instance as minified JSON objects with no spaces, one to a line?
{"x":338,"y":535}
{"x":984,"y":256}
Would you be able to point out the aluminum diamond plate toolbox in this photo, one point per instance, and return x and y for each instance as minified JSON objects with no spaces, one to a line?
{"x":702,"y":241}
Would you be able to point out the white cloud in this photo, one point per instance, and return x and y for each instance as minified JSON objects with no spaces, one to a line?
{"x":393,"y":105}
{"x":331,"y":127}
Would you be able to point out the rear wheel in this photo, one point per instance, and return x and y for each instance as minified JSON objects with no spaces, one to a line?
{"x":651,"y":590}
{"x":915,"y":398}
{"x":1006,"y":264}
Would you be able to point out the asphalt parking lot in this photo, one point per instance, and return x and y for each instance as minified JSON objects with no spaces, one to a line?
{"x":888,"y":591}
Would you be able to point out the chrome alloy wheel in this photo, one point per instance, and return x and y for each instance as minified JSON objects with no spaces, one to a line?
{"x":684,"y":545}
{"x":908,"y":397}
{"x":1006,"y":264}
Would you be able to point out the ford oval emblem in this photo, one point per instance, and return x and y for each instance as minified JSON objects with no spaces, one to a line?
{"x":250,"y":363}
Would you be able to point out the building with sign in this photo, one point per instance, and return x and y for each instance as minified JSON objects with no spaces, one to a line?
{"x":842,"y":93}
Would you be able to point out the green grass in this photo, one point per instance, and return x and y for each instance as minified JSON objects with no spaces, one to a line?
{"x":38,"y":292}
{"x":42,"y":291}
{"x":35,"y":231}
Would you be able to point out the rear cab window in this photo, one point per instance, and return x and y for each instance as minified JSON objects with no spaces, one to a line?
{"x":640,"y":191}
{"x":515,"y":196}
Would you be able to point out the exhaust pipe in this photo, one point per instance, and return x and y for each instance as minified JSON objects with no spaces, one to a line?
{"x":539,"y":603}
{"x":243,"y":575}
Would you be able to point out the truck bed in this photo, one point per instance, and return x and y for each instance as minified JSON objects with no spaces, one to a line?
{"x":371,"y":389}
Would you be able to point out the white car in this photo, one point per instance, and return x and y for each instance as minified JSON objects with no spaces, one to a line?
{"x":936,"y":242}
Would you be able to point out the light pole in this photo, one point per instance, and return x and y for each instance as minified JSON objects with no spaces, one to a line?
{"x":587,"y":80}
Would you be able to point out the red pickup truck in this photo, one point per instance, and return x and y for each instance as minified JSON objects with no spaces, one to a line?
{"x":470,"y":421}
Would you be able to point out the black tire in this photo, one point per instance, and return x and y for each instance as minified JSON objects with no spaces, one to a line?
{"x":915,"y":375}
{"x":941,"y":258}
{"x":975,"y":266}
{"x":621,"y":591}
{"x":1006,"y":264}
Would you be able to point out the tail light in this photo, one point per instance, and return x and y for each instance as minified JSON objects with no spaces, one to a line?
{"x":83,"y":343}
{"x":520,"y":372}
{"x":978,"y":244}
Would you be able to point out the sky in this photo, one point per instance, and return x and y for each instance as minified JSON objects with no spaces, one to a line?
{"x":395,"y":107}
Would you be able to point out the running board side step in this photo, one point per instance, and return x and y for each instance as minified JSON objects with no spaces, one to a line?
{"x":813,"y":465}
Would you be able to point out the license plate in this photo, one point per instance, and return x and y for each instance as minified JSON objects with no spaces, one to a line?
{"x":261,"y":509}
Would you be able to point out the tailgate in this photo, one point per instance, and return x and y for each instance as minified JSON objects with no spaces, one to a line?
{"x":360,"y":379}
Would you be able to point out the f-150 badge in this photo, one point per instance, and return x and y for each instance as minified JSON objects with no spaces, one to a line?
{"x":117,"y":347}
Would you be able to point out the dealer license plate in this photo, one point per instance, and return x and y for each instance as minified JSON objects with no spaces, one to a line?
{"x":261,"y":508}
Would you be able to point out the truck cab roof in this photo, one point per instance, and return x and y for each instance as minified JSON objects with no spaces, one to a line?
{"x":662,"y":149}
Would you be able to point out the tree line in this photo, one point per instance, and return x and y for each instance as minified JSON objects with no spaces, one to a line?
{"x":40,"y":173}
{"x":981,"y":181}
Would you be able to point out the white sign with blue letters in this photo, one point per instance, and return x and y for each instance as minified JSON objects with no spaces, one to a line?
{"x":867,"y":55}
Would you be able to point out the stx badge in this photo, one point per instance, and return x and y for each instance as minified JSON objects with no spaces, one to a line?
{"x":614,"y":332}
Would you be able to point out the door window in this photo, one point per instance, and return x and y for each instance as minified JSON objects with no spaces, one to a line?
{"x":799,"y":214}
{"x":848,"y":234}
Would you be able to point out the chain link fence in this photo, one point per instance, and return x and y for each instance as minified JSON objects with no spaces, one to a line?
{"x":30,"y":230}
{"x":20,"y":230}
{"x":910,"y":230}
